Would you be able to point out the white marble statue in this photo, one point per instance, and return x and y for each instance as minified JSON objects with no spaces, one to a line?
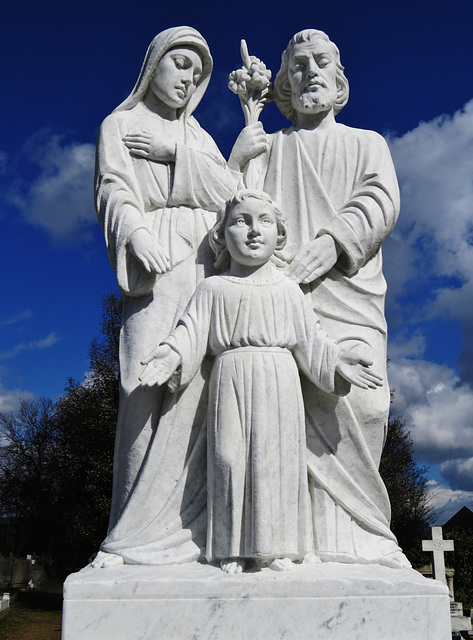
{"x":256,"y":324}
{"x":254,"y":398}
{"x":339,"y":193}
{"x":159,"y":181}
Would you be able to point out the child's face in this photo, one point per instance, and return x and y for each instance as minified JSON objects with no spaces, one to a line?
{"x":251,"y":232}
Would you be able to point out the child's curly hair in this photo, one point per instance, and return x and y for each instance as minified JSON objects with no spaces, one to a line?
{"x":217,"y":233}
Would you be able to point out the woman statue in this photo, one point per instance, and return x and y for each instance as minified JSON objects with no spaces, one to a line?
{"x":159,"y":181}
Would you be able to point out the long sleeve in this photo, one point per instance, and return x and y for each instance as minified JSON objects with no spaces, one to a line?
{"x":191,"y":335}
{"x":315,"y":352}
{"x":369,"y":215}
{"x":120,"y":206}
{"x":131,"y":193}
{"x":201,"y":175}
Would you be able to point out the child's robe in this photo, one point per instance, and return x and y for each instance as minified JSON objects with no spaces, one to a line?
{"x":260,"y":333}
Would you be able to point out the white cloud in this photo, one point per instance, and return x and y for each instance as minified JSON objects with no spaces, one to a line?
{"x":432,"y":244}
{"x":60,"y":198}
{"x":402,"y":347}
{"x":447,"y":502}
{"x":17,"y":317}
{"x":43,"y":343}
{"x":458,"y":473}
{"x":437,"y":408}
{"x":456,"y":303}
{"x":434,"y":164}
{"x":10,"y":399}
{"x":430,"y":255}
{"x":443,"y":425}
{"x":429,"y":269}
{"x":412,"y":379}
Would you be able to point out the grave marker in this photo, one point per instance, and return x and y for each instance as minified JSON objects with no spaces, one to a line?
{"x":438,"y":546}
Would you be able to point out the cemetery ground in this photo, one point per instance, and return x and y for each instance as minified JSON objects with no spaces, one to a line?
{"x":34,"y":615}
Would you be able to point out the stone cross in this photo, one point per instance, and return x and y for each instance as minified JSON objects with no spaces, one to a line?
{"x":438,"y":545}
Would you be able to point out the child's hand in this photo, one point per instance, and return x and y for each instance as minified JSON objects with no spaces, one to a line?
{"x":355,"y":369}
{"x":160,"y":365}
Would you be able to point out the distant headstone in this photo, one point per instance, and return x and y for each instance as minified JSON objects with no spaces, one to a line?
{"x":20,"y":573}
{"x":4,"y":602}
{"x":438,"y":546}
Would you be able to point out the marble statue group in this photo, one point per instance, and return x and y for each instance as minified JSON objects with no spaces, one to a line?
{"x":253,"y":396}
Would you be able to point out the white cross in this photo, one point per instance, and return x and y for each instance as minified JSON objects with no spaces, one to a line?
{"x":438,"y":545}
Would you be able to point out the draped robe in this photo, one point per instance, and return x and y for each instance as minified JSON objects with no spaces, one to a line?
{"x":341,"y":181}
{"x":256,"y":331}
{"x":176,"y":203}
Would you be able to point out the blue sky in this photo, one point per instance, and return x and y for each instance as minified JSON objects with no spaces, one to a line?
{"x":64,"y":68}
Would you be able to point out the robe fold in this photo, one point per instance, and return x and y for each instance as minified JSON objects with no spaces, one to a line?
{"x":341,"y":181}
{"x":176,"y":204}
{"x":258,"y":498}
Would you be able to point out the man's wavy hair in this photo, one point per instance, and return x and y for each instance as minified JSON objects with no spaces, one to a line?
{"x":282,"y":88}
{"x":217,"y":233}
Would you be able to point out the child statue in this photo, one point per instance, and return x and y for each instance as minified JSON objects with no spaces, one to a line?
{"x":259,"y":328}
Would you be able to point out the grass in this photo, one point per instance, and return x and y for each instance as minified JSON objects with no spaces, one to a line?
{"x":34,"y":615}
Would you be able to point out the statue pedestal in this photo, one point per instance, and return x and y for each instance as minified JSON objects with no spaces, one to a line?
{"x":199,"y":602}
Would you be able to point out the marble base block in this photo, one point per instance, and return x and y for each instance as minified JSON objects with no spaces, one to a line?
{"x":199,"y":602}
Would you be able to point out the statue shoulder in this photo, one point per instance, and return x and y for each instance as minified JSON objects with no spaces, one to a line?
{"x":200,"y":139}
{"x":137,"y":118}
{"x":292,"y":287}
{"x":117,"y":121}
{"x":277,"y":139}
{"x":281,"y":133}
{"x":209,"y":285}
{"x":365,"y":137}
{"x":195,"y":128}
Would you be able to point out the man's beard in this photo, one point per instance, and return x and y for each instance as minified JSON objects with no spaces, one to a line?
{"x":312,"y":102}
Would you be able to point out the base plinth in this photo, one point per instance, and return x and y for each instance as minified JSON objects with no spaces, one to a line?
{"x":199,"y":602}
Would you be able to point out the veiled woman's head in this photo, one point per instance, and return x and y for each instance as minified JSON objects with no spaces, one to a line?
{"x":176,"y":77}
{"x":175,"y":71}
